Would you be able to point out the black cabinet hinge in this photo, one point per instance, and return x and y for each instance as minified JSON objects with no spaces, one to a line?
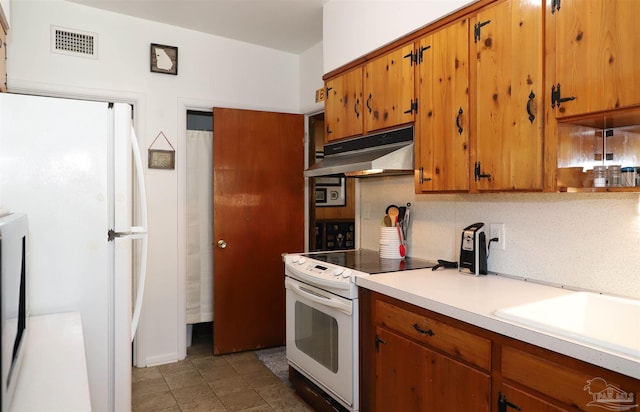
{"x":503,"y":403}
{"x":555,"y":6}
{"x":556,"y":98}
{"x":413,"y":107}
{"x":420,"y":53}
{"x":413,"y":57}
{"x":379,"y":340}
{"x":421,"y":177}
{"x":477,"y":174}
{"x":476,"y":30}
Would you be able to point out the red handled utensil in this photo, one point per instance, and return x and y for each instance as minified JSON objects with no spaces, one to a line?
{"x":403,"y":250}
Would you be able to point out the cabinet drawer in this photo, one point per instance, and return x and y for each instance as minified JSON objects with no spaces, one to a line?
{"x":576,"y":386}
{"x":452,"y":340}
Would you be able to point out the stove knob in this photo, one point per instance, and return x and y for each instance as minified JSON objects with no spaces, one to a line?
{"x":337,"y":271}
{"x":294,"y":258}
{"x":347,"y":273}
{"x":301,"y":260}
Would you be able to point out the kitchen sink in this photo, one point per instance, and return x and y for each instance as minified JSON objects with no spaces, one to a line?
{"x":609,"y":322}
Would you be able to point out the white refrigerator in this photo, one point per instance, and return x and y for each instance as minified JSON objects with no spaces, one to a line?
{"x":74,"y":167}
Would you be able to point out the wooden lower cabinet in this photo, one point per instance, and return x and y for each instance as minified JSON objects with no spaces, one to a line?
{"x":413,"y":359}
{"x":411,"y":377}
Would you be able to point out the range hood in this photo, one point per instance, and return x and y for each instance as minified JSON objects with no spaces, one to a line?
{"x":381,"y":154}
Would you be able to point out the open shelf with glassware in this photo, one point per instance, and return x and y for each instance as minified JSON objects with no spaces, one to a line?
{"x":599,"y":153}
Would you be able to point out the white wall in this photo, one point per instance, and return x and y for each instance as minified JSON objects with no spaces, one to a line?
{"x":311,"y":79}
{"x":353,"y":28}
{"x":212,"y":71}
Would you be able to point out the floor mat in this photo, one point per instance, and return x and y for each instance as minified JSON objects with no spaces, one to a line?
{"x":276,"y":360}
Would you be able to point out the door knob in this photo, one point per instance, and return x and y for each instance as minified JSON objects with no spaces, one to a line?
{"x":222,"y":244}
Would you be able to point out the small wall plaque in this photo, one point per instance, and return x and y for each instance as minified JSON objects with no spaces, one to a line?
{"x":162,"y":159}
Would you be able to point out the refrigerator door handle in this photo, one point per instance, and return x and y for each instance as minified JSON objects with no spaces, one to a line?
{"x":139,"y":231}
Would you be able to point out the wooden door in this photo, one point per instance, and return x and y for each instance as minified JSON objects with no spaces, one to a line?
{"x":343,"y":106}
{"x":442,"y":124}
{"x":508,"y":127}
{"x":258,"y":212}
{"x":388,"y":89}
{"x":597,"y":57}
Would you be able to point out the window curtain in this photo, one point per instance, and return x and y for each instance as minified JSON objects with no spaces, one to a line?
{"x":199,"y":231}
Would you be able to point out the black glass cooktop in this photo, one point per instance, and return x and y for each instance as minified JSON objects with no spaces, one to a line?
{"x":369,"y":261}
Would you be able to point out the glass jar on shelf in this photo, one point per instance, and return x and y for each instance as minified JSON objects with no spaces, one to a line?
{"x":614,"y":176}
{"x":599,"y":176}
{"x":628,"y":176}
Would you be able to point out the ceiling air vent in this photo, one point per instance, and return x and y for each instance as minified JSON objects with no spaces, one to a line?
{"x":74,"y":42}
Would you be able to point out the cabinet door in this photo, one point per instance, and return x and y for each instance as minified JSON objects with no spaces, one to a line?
{"x":411,"y":377}
{"x":597,"y":57}
{"x":442,"y":125}
{"x":343,"y":106}
{"x":507,"y":39}
{"x":388,"y":89}
{"x":401,"y":377}
{"x":512,"y":399}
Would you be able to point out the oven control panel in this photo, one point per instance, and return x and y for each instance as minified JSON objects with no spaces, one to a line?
{"x":320,"y":273}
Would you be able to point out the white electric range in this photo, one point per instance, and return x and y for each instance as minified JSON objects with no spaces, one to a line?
{"x":322,"y":315}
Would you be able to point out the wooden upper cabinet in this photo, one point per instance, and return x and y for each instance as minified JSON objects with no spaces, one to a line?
{"x":389,"y":89}
{"x":343,"y":106}
{"x":442,"y":124}
{"x":596,"y":55}
{"x":507,"y":45}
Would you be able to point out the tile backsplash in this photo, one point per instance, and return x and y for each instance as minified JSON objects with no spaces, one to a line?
{"x":589,"y":241}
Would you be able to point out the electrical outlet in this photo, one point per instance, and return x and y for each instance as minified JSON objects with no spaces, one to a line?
{"x":497,"y":231}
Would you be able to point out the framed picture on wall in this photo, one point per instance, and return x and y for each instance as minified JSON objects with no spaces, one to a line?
{"x":331,"y":192}
{"x":164,"y":59}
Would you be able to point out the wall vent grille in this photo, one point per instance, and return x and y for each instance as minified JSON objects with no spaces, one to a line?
{"x":74,"y":42}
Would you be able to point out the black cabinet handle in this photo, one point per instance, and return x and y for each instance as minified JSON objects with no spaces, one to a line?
{"x":458,"y":124}
{"x":423,"y":331}
{"x":532,"y":116}
{"x":355,"y":108}
{"x":369,"y":103}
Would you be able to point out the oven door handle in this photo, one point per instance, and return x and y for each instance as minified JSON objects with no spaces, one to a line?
{"x":307,"y":293}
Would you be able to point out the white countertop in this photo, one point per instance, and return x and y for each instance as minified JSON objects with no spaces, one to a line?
{"x":53,"y":376}
{"x":474,"y":300}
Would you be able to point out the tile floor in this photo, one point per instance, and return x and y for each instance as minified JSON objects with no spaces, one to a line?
{"x":203,"y":382}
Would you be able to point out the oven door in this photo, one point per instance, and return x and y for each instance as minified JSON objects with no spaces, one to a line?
{"x":320,"y":338}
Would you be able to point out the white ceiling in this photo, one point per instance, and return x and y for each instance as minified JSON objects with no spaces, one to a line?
{"x":288,"y":25}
